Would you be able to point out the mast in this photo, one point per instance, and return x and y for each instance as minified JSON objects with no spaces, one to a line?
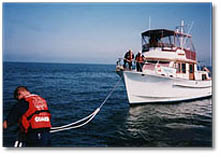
{"x":149,"y":22}
{"x":181,"y":31}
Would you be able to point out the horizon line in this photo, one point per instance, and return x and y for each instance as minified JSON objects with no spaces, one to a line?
{"x":49,"y":62}
{"x":43,"y":62}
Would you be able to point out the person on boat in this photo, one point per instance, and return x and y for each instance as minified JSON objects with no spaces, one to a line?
{"x":34,"y":119}
{"x":128,"y":59}
{"x":205,"y":69}
{"x":139,"y":61}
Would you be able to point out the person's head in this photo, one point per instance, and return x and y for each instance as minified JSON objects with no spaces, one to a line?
{"x":139,"y":53}
{"x":20,"y":92}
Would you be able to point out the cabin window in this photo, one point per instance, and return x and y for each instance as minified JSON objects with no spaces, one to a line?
{"x":152,"y":62}
{"x":191,"y":68}
{"x":167,"y":41}
{"x":163,"y":63}
{"x":183,"y":68}
{"x":178,"y":67}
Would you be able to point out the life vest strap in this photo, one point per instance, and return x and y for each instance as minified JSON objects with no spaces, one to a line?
{"x":37,"y":112}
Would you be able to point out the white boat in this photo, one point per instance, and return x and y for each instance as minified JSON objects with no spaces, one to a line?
{"x":170,"y":72}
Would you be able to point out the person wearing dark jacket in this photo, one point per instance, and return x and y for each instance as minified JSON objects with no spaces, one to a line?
{"x":34,"y":119}
{"x":128,"y":59}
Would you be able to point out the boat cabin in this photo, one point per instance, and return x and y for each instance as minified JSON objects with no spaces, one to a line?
{"x":168,"y":40}
{"x":172,"y":52}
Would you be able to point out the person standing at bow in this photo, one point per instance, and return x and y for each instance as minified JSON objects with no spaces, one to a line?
{"x":33,"y":116}
{"x":139,"y":61}
{"x":128,"y":59}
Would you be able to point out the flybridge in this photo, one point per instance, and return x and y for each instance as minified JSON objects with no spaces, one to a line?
{"x":169,"y":40}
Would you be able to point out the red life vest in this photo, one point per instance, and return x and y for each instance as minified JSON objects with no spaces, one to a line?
{"x":130,"y":56}
{"x":139,"y":59}
{"x":37,"y":116}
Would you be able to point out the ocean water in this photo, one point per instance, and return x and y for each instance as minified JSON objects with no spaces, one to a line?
{"x":73,"y":91}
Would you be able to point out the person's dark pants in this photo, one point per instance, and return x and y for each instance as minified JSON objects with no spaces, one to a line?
{"x":129,"y":65}
{"x":139,"y":66}
{"x":38,"y":139}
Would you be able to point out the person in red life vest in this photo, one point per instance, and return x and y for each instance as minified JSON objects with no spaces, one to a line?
{"x":33,"y":116}
{"x":139,"y":61}
{"x":128,"y":59}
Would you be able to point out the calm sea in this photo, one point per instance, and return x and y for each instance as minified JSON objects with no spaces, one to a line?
{"x":75,"y":90}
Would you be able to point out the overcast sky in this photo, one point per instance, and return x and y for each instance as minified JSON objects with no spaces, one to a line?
{"x":95,"y":32}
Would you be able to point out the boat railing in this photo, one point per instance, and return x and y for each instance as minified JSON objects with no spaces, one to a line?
{"x":121,"y":65}
{"x":163,"y":69}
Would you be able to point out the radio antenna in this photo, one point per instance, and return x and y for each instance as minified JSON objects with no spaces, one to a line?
{"x":149,"y":22}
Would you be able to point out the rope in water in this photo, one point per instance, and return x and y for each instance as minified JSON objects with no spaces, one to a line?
{"x":87,"y":119}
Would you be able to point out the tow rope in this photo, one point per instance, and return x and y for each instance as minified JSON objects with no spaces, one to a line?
{"x":87,"y":119}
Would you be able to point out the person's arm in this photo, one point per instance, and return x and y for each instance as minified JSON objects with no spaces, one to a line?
{"x":17,"y":111}
{"x":136,"y":57}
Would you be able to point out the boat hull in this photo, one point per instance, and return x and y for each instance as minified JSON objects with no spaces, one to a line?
{"x":147,"y":88}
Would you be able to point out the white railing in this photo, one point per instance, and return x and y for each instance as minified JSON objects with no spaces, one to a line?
{"x":148,"y":66}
